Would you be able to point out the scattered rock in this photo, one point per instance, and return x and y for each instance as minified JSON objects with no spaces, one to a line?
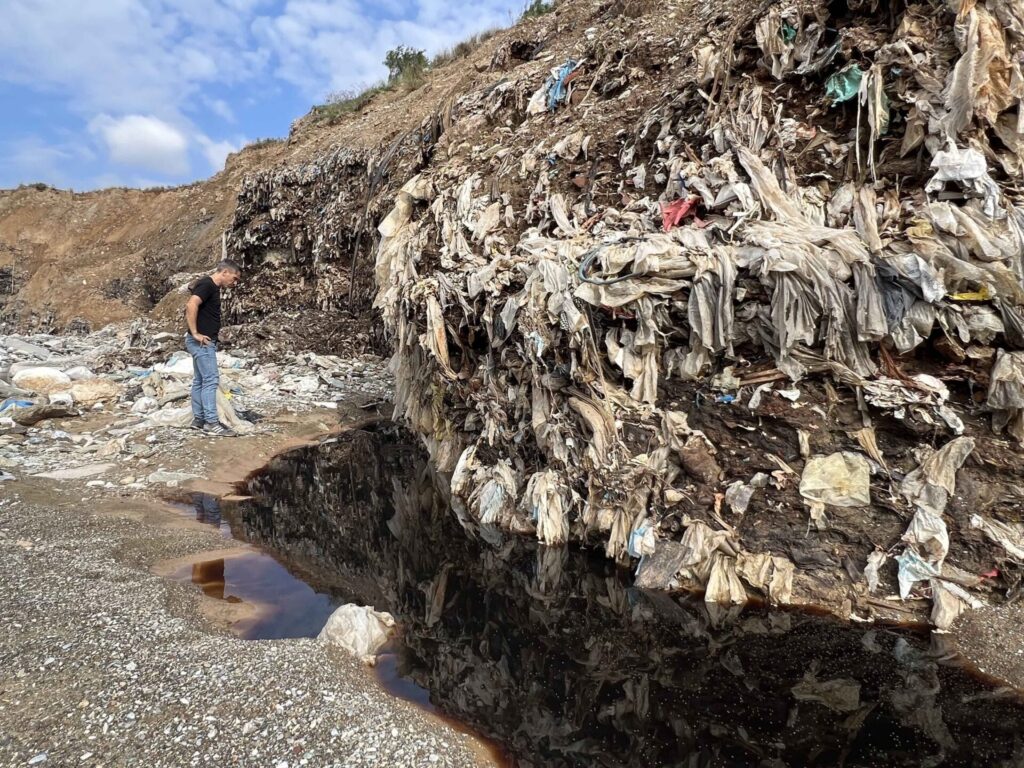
{"x":41,"y":380}
{"x":80,"y":373}
{"x":92,"y":391}
{"x":78,"y":473}
{"x":26,"y":417}
{"x":172,"y":479}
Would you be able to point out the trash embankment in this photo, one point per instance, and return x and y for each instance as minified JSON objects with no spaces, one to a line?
{"x":123,"y":397}
{"x":752,"y":313}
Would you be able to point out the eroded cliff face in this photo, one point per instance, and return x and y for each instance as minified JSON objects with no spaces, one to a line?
{"x":736,"y":287}
{"x":77,"y":261}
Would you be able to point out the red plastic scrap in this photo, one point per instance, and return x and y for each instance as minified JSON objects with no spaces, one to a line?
{"x":674,"y":212}
{"x":993,"y":574}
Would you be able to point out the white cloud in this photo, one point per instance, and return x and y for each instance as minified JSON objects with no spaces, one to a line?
{"x":216,"y":152}
{"x":143,"y":141}
{"x":140,"y":75}
{"x":325,"y":45}
{"x":221,"y":108}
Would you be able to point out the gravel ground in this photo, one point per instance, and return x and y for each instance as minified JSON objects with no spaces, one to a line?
{"x":104,"y":663}
{"x":988,"y":639}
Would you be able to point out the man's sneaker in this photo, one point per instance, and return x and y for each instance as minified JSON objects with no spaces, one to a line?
{"x":197,"y":423}
{"x":219,"y":430}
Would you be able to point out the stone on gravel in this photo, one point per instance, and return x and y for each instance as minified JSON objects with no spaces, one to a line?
{"x":62,"y":398}
{"x":26,"y":417}
{"x":42,"y":380}
{"x":78,"y":473}
{"x":94,"y":390}
{"x":80,"y":373}
{"x":17,"y":345}
{"x":172,"y":479}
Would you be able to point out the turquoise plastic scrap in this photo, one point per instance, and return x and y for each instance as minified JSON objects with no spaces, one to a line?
{"x":556,"y":85}
{"x":13,"y":402}
{"x":843,"y":85}
{"x":788,"y":32}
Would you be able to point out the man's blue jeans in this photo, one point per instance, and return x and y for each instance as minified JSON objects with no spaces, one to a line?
{"x":204,"y":380}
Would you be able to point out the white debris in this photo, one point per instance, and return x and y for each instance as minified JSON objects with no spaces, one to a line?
{"x":358,"y":629}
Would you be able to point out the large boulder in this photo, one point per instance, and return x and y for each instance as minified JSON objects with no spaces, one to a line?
{"x":41,"y":380}
{"x":92,"y":391}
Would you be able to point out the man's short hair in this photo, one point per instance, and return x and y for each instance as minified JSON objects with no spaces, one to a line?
{"x":228,"y":266}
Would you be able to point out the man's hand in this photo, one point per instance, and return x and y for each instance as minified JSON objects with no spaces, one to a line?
{"x":203,"y":340}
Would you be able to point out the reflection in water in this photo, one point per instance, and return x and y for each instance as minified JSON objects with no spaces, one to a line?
{"x":209,"y":575}
{"x":556,"y":656}
{"x":281,"y":604}
{"x":207,"y":508}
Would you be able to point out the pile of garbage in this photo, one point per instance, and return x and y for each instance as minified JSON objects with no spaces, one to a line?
{"x":122,"y":399}
{"x":752,"y":313}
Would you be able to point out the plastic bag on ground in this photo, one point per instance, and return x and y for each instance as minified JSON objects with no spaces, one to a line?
{"x":1009,"y":536}
{"x":840,"y":695}
{"x":358,"y":629}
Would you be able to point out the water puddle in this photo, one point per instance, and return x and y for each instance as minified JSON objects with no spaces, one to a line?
{"x":270,"y":603}
{"x":554,"y":655}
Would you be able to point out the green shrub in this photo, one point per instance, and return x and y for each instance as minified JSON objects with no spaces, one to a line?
{"x":259,"y":143}
{"x":405,"y":66}
{"x":346,"y":102}
{"x":538,"y":8}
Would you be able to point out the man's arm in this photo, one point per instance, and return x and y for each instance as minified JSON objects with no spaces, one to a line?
{"x":191,"y":314}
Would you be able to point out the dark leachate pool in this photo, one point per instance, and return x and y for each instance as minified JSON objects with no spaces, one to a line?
{"x":554,"y":655}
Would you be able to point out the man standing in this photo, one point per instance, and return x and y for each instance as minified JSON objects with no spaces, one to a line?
{"x":202,"y":313}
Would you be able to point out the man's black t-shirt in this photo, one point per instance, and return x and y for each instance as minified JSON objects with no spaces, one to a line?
{"x":208,"y":318}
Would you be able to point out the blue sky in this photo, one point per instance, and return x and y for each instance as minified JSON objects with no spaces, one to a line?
{"x":97,"y":93}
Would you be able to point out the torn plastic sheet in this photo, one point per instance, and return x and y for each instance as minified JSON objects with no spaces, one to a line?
{"x":840,"y":479}
{"x":555,"y":89}
{"x":967,"y":167}
{"x":913,"y":569}
{"x":839,"y":695}
{"x":545,"y":501}
{"x":925,"y":395}
{"x":738,"y":496}
{"x":875,"y":561}
{"x":845,"y":84}
{"x":771,"y":574}
{"x":1006,"y":393}
{"x":642,"y":541}
{"x":928,"y":535}
{"x":949,"y":601}
{"x":930,"y":485}
{"x":724,"y":585}
{"x":673,"y":213}
{"x":1010,"y":536}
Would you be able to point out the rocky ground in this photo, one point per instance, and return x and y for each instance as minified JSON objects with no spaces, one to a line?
{"x":107,"y":664}
{"x":988,"y":641}
{"x":103,"y":662}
